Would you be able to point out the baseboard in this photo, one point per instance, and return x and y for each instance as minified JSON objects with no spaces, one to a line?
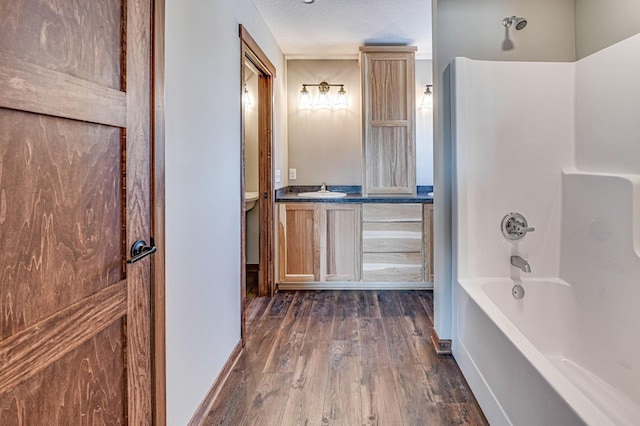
{"x":205,"y":406}
{"x":355,"y":286}
{"x":252,"y":267}
{"x":442,"y":346}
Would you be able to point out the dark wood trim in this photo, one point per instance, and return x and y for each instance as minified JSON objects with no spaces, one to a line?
{"x":45,"y":91}
{"x":442,"y":346}
{"x":243,"y":217}
{"x":253,"y":267}
{"x":266,"y":274}
{"x":31,"y":350}
{"x":158,"y":217}
{"x":205,"y":406}
{"x":139,"y":374}
{"x":251,"y":51}
{"x":255,"y":49}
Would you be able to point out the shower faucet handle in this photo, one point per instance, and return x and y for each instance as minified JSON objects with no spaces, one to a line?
{"x":514,"y":226}
{"x":522,"y":230}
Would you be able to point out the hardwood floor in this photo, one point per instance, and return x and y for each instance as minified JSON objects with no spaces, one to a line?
{"x":343,"y":358}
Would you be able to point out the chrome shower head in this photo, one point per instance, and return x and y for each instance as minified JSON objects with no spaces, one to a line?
{"x":520,"y":23}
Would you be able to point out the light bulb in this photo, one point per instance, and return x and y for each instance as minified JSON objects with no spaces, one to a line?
{"x":304,"y":101}
{"x":427,"y":98}
{"x":248,"y":99}
{"x":341,"y":99}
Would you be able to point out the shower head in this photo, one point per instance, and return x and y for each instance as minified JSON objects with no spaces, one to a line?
{"x":520,"y":23}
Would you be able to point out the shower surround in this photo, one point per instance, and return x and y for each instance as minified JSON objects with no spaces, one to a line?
{"x":559,"y":143}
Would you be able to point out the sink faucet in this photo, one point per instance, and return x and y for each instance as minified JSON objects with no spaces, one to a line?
{"x":323,"y":187}
{"x":519,"y":262}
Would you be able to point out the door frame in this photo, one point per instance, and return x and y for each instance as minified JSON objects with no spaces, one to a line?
{"x":158,"y":320}
{"x":250,"y":50}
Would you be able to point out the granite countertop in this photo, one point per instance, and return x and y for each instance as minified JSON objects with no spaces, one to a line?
{"x":289,"y":194}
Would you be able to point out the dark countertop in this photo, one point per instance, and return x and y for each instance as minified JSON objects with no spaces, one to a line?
{"x":289,"y":194}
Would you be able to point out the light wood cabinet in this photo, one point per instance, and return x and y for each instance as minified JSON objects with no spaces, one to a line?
{"x":388,"y":106}
{"x":427,"y":222}
{"x":340,"y":242}
{"x":319,"y":242}
{"x":299,"y":256}
{"x":392,"y":243}
{"x":345,"y":243}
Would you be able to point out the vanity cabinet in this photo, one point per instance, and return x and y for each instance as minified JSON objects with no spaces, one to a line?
{"x":319,"y":242}
{"x":388,"y":108}
{"x":392,"y":243}
{"x":354,"y":243}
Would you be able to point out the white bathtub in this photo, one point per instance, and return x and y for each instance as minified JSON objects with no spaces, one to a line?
{"x":525,"y":359}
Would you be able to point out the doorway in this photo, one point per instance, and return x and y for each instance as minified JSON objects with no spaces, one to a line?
{"x":257,"y":73}
{"x":251,"y":179}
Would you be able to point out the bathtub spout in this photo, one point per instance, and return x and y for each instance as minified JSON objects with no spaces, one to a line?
{"x":519,"y":262}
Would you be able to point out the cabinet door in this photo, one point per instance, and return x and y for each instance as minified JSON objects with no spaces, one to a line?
{"x":340,"y":237}
{"x":428,"y":242}
{"x":298,"y":232}
{"x":388,"y":75}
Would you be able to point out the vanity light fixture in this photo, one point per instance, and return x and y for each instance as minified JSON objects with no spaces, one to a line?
{"x":427,"y":98}
{"x":248,"y":99}
{"x":323,"y":101}
{"x":341,"y":99}
{"x":304,"y":101}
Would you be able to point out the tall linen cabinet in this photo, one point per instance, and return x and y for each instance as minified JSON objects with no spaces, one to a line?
{"x":389,"y":117}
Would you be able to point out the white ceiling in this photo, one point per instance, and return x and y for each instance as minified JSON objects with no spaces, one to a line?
{"x":335,"y":28}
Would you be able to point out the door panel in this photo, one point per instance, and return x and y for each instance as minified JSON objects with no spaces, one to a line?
{"x":340,"y":240}
{"x":298,"y":233}
{"x":75,"y":318}
{"x":76,"y":37}
{"x":61,"y":204}
{"x":82,"y":383}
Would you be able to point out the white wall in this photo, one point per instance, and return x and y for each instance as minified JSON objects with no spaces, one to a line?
{"x":251,"y":167}
{"x":251,"y":152}
{"x":473,"y":29}
{"x":511,"y":142}
{"x":326,"y":145}
{"x":424,"y":125}
{"x":607,"y":108}
{"x":203,"y":197}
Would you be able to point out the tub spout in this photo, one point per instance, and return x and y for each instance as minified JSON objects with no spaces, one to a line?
{"x":519,"y":262}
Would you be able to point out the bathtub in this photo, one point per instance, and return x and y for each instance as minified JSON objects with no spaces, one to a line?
{"x":525,"y":362}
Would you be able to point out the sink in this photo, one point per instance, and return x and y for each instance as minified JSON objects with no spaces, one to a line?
{"x":322,"y":194}
{"x":250,"y":199}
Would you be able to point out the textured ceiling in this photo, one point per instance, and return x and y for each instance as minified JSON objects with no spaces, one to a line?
{"x":335,"y":28}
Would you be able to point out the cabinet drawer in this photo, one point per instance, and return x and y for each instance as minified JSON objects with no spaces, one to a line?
{"x":392,"y":237}
{"x":392,"y":267}
{"x":392,"y":212}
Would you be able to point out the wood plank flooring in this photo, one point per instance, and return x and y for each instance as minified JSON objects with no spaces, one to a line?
{"x":343,"y":358}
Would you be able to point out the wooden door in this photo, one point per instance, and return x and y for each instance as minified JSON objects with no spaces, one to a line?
{"x":74,"y":197}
